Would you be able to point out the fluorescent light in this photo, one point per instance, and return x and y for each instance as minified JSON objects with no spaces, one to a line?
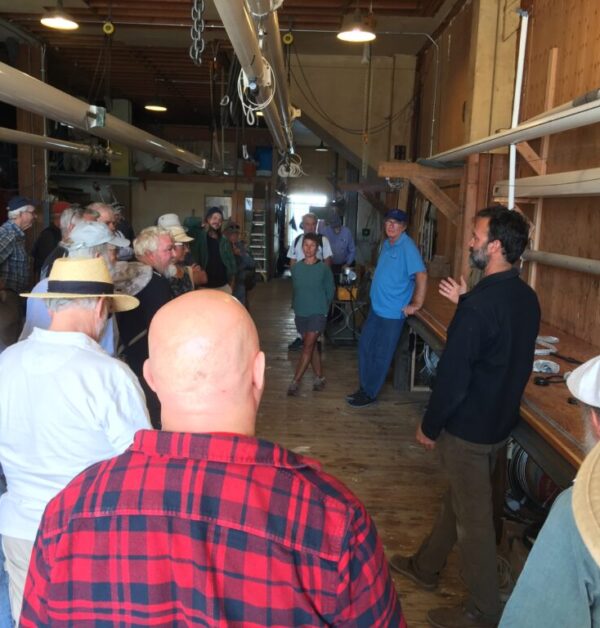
{"x":155,"y":106}
{"x":58,"y":19}
{"x":356,"y":28}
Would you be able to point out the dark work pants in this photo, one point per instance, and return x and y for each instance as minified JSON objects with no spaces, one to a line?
{"x":466,"y":518}
{"x":378,"y":341}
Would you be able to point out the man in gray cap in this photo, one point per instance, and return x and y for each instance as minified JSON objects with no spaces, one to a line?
{"x":560,"y":583}
{"x":87,"y":239}
{"x":15,"y":272}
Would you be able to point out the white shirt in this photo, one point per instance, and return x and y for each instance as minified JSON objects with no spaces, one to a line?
{"x":296,"y":252}
{"x":64,"y":405}
{"x":38,"y":316}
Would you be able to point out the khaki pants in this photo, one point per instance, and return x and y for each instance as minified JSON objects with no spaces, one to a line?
{"x":17,"y":553}
{"x":466,"y":518}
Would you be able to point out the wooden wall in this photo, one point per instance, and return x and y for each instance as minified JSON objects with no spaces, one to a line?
{"x":569,"y":300}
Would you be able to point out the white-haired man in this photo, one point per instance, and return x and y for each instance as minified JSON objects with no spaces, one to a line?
{"x":15,"y":272}
{"x":560,"y":583}
{"x":69,"y":219}
{"x":64,"y":405}
{"x":105,"y":213}
{"x":85,"y":240}
{"x":154,"y":248}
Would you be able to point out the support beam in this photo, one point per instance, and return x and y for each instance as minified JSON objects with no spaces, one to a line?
{"x":439,"y":198}
{"x":408,"y":169}
{"x":534,"y":161}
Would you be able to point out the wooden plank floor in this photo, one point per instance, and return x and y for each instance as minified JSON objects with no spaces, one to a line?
{"x":372,"y":450}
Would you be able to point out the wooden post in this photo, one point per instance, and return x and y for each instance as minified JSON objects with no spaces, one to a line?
{"x":471,"y":192}
{"x":544,"y":148}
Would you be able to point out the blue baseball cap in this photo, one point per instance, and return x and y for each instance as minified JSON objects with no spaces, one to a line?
{"x":396,"y":214}
{"x":18,"y":202}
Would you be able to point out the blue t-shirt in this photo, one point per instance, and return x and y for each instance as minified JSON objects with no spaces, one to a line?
{"x":394,"y":280}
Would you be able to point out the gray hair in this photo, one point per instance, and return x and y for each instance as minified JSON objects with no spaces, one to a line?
{"x":147,"y":240}
{"x":311,"y":216}
{"x":70,"y":217}
{"x":87,"y":252}
{"x":13,"y":215}
{"x":59,"y":305}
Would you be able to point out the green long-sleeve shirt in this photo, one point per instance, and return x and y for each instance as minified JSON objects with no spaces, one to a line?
{"x":313,"y":288}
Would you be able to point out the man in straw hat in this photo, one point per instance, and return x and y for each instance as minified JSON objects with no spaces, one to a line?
{"x":87,"y":239}
{"x":560,"y":583}
{"x":64,"y":404}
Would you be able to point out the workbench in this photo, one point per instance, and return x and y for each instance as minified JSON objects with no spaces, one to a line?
{"x":551,"y":429}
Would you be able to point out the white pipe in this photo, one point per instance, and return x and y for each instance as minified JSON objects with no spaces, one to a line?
{"x":512,"y":155}
{"x":240,"y":28}
{"x":574,"y":118}
{"x":51,"y":143}
{"x":24,"y":91}
{"x":579,"y":264}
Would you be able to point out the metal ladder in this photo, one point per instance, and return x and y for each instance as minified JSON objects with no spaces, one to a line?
{"x":258,"y":243}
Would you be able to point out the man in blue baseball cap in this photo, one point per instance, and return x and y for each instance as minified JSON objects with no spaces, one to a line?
{"x":14,"y":261}
{"x":397,"y":291}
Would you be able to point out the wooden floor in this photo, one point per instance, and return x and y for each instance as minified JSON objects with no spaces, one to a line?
{"x":372,"y":450}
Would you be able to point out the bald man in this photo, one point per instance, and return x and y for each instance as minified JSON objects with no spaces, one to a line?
{"x":203,"y":523}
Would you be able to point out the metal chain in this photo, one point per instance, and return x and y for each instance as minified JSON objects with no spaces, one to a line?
{"x":197,"y":31}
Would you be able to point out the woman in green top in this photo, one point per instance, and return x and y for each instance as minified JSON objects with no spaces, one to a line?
{"x":313,"y":292}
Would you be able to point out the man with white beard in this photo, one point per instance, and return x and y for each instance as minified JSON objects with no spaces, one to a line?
{"x":87,"y":239}
{"x":560,"y":583}
{"x":64,"y":404}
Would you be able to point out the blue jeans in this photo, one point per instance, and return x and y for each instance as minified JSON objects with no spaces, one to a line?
{"x":5,"y":614}
{"x":376,"y":347}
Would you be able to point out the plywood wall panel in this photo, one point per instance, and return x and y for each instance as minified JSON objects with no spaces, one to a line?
{"x":569,"y":300}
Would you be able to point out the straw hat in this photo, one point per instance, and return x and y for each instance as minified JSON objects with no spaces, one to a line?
{"x":82,"y":279}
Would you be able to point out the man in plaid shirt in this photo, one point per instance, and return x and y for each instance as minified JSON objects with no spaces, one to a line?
{"x":14,"y":260}
{"x":203,"y":523}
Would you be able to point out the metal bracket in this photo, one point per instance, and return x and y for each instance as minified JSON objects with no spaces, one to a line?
{"x":95,"y":117}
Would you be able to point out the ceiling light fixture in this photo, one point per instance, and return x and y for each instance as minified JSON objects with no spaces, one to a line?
{"x":357,"y":28}
{"x":321,"y":148}
{"x":57,"y":18}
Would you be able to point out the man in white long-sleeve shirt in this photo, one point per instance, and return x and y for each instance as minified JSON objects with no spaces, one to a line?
{"x":64,"y":405}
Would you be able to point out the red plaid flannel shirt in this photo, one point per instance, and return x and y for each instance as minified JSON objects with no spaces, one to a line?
{"x":208,"y":529}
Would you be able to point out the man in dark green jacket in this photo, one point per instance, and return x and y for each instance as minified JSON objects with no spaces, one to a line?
{"x":213,"y":252}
